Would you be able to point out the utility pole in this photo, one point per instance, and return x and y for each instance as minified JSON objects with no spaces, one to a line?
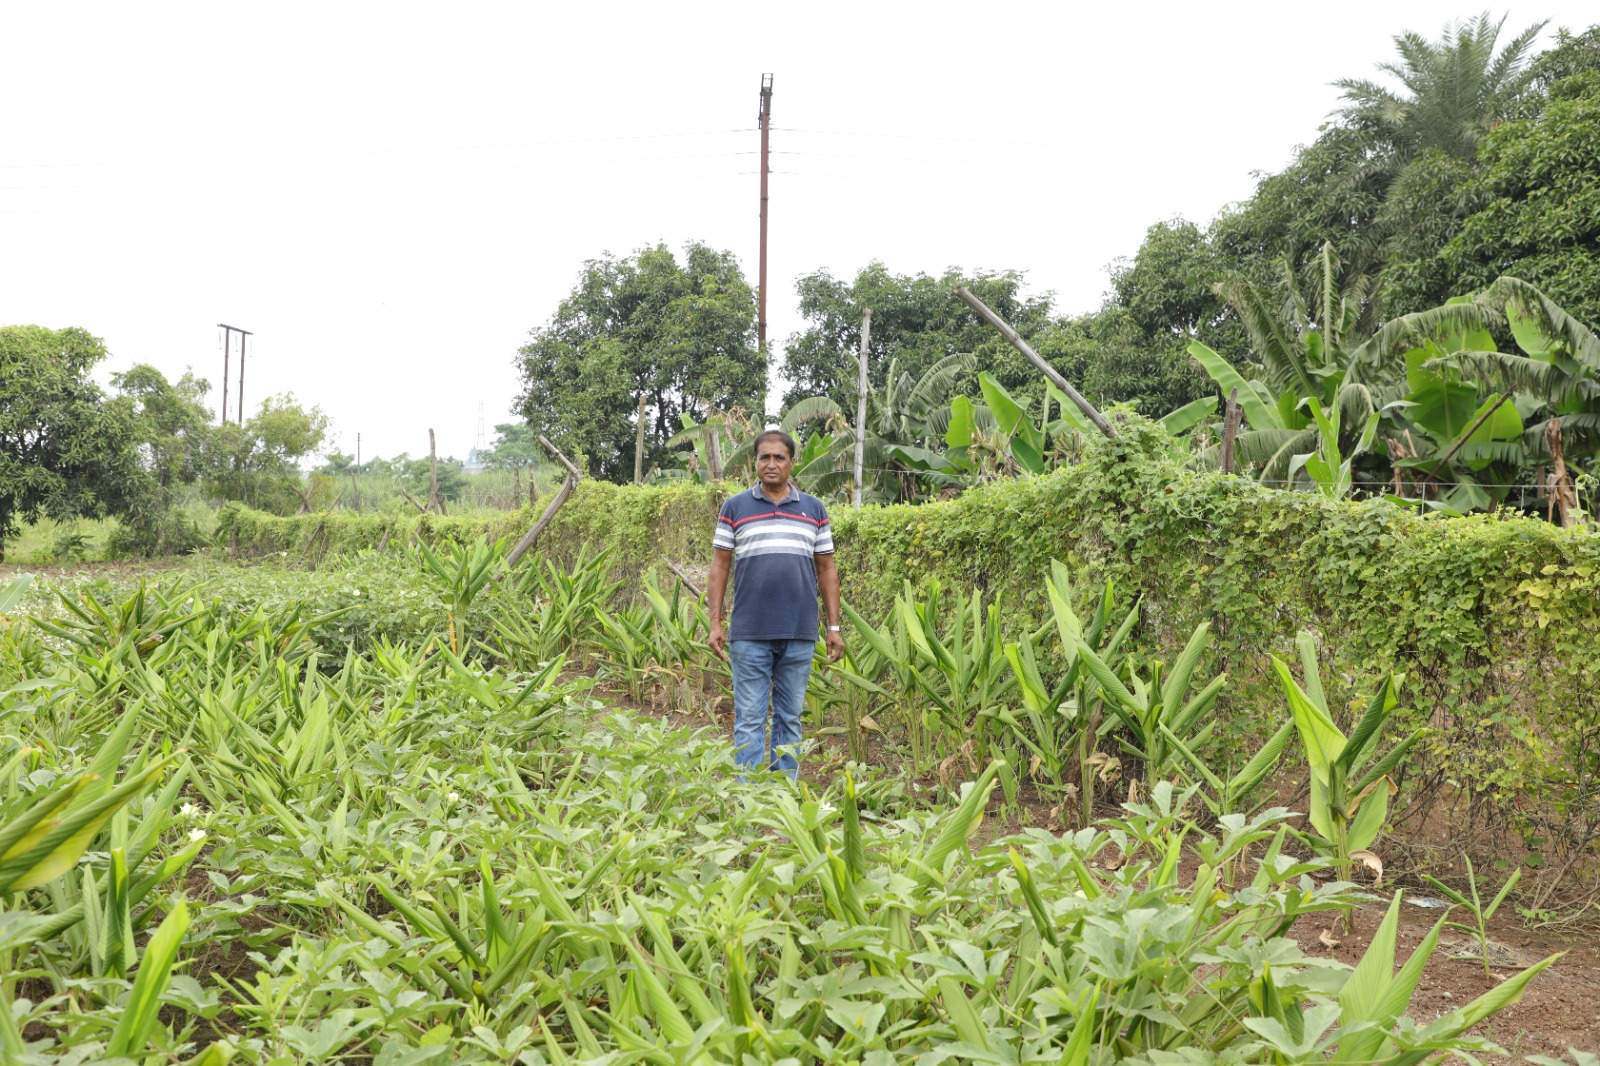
{"x":227,"y":336}
{"x":861,"y":403}
{"x":764,"y":120}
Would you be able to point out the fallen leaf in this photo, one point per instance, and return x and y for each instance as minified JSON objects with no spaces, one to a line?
{"x":1371,"y":862}
{"x":866,"y":722}
{"x":1328,"y":939}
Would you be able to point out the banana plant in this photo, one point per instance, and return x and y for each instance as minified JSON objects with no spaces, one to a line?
{"x":1328,"y":467}
{"x":1350,"y":788}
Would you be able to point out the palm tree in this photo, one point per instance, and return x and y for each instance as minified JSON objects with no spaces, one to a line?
{"x":1456,"y":88}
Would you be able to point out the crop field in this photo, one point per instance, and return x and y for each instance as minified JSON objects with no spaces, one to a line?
{"x":423,"y":808}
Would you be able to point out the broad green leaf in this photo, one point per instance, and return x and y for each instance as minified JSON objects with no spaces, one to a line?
{"x":1182,"y":419}
{"x":1259,"y":413}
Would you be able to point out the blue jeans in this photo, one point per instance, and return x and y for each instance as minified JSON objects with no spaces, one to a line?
{"x":769,"y":672}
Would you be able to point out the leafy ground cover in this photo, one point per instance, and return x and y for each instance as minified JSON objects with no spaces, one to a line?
{"x":247,"y":816}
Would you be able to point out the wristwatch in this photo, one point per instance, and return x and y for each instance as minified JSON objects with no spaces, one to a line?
{"x":834,"y":629}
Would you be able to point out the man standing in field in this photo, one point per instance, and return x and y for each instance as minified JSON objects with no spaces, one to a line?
{"x":776,"y":541}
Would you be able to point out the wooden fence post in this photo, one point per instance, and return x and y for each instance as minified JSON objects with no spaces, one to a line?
{"x":861,"y":405}
{"x":1230,"y":429}
{"x":638,"y":445}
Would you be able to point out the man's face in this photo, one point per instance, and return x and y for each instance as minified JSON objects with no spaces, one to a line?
{"x":773,"y":464}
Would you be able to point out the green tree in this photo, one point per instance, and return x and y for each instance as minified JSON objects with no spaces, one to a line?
{"x":65,"y":450}
{"x":174,"y":423}
{"x":916,"y":323}
{"x":1110,"y":360}
{"x":513,"y":446}
{"x":681,"y":334}
{"x":258,"y":463}
{"x":1539,"y":191}
{"x":174,"y":429}
{"x":1455,"y":89}
{"x":1167,"y":291}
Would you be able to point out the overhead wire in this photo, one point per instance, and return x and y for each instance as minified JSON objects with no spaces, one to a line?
{"x":351,"y":153}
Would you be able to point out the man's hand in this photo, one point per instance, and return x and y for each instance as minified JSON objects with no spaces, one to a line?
{"x":835,"y":642}
{"x":718,"y":640}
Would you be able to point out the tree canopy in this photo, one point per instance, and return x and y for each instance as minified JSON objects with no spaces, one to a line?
{"x":679,"y":333}
{"x":915,"y":323}
{"x":65,"y":450}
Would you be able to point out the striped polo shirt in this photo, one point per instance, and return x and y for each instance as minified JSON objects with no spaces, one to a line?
{"x":774,"y":563}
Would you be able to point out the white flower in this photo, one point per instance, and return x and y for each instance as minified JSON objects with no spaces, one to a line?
{"x":197,"y":834}
{"x":189,"y":810}
{"x":451,"y":797}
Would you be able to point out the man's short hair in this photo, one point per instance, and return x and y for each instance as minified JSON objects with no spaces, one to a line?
{"x":788,"y":441}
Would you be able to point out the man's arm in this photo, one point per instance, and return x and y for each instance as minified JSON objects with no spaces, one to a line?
{"x":828,"y":583}
{"x":721,"y":563}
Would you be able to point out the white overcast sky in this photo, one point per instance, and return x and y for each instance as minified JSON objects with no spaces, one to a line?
{"x":392,"y":195}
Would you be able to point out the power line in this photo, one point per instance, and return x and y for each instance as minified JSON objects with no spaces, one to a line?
{"x":542,"y":164}
{"x":923,"y":137}
{"x":387,"y":151}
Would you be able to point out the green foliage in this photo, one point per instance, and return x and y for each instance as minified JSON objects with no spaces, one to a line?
{"x":513,"y":446}
{"x":1492,"y":618}
{"x":1481,"y":914}
{"x":916,"y":324}
{"x":422,"y":856}
{"x":1536,"y":203}
{"x":1167,"y":292}
{"x":459,"y":573}
{"x":1488,"y":616}
{"x":65,"y":452}
{"x":906,"y":423}
{"x":1456,"y":88}
{"x":1350,"y":782}
{"x":258,"y":463}
{"x":1159,"y":716}
{"x":680,"y":334}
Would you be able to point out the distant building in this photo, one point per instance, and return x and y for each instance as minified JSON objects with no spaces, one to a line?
{"x":473,"y":464}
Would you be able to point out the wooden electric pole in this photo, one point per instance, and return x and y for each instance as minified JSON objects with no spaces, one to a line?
{"x":227,"y":339}
{"x":764,"y":120}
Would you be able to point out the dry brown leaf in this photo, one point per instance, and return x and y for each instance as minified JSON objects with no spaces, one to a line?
{"x":1329,"y":941}
{"x":866,"y":721}
{"x":1135,"y":790}
{"x":1371,"y":862}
